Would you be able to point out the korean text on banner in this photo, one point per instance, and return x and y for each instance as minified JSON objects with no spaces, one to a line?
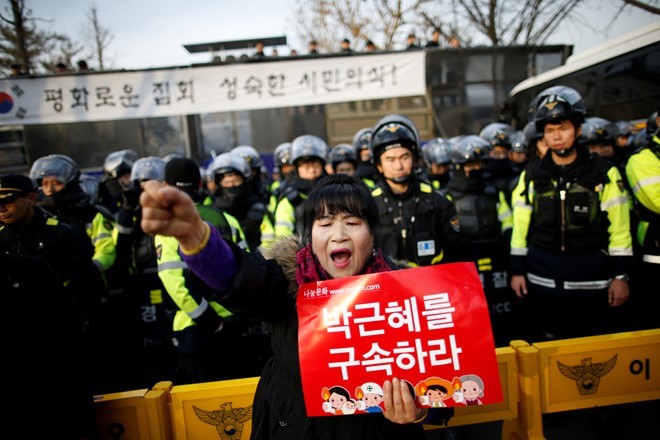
{"x":428,"y":326}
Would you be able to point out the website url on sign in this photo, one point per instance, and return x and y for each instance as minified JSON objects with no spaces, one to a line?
{"x":356,"y":289}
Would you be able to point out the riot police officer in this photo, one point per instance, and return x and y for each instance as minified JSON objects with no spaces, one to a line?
{"x":571,"y":248}
{"x":309,"y":154}
{"x":418,"y":224}
{"x":642,"y":171}
{"x":485,"y":219}
{"x":232,"y":174}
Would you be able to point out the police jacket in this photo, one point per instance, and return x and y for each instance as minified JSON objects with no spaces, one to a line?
{"x":643,"y":173}
{"x":284,"y":208}
{"x":183,"y":286}
{"x":420,"y":226}
{"x":68,"y":253}
{"x":249,"y":210}
{"x":264,"y":288}
{"x":73,"y":206}
{"x":483,"y":211}
{"x":579,"y":213}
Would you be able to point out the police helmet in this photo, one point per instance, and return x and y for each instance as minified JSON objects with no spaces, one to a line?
{"x":597,"y":130}
{"x":229,"y":162}
{"x":556,"y":104}
{"x":531,"y":135}
{"x":251,"y":155}
{"x":119,"y":163}
{"x":282,"y":154}
{"x":391,"y":130}
{"x":173,"y":155}
{"x":361,"y":139}
{"x":470,"y":148}
{"x":148,"y":168}
{"x":308,"y":146}
{"x":652,"y":125}
{"x":624,"y":128}
{"x":60,"y":166}
{"x":498,"y":134}
{"x":641,"y":139}
{"x":518,"y":144}
{"x":437,"y":151}
{"x":90,"y":185}
{"x":342,"y":153}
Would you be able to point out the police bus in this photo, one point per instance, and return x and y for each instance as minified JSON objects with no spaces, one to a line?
{"x":618,"y":79}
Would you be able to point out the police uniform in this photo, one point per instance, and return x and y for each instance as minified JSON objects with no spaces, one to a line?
{"x":419,"y":225}
{"x":643,"y":173}
{"x":207,"y":336}
{"x":571,"y":236}
{"x":485,"y":223}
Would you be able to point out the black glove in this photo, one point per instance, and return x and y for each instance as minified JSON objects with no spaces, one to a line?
{"x":131,"y":198}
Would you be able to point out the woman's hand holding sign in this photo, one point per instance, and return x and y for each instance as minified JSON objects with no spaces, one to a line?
{"x":399,"y":403}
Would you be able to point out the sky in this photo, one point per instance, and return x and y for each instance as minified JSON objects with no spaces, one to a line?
{"x":151,"y":33}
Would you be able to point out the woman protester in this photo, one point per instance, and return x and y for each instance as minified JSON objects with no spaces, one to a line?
{"x":336,"y":240}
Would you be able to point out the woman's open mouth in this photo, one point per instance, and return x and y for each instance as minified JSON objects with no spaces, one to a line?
{"x":340,"y":257}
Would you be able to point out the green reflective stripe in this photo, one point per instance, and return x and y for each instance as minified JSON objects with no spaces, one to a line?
{"x":654,"y":259}
{"x":199,"y":310}
{"x":377,"y":192}
{"x":101,"y":237}
{"x":283,"y":223}
{"x":620,"y":251}
{"x":617,"y":201}
{"x":425,"y":188}
{"x":641,"y":183}
{"x":124,"y":230}
{"x":170,"y":265}
{"x":504,"y":215}
{"x":521,"y":204}
{"x":52,"y":221}
{"x":586,"y":285}
{"x":541,"y":281}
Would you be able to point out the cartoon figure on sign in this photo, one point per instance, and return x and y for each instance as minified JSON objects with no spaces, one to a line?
{"x":370,"y":396}
{"x":472,"y":388}
{"x":335,"y":399}
{"x":434,"y":391}
{"x":349,"y":407}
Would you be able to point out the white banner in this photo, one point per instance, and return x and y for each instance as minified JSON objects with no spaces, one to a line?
{"x":224,"y":88}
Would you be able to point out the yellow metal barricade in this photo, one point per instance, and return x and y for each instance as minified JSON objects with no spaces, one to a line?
{"x":122,"y":415}
{"x":213,"y":410}
{"x":508,"y":409}
{"x":599,"y":370}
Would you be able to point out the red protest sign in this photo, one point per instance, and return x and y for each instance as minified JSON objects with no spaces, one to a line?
{"x":429,"y":326}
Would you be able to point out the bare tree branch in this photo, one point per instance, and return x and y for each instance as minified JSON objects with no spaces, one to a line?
{"x":642,"y":5}
{"x":97,"y":36}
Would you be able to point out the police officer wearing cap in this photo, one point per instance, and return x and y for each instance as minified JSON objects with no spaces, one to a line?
{"x":46,"y":274}
{"x":571,"y":247}
{"x":418,"y":224}
{"x":28,"y":229}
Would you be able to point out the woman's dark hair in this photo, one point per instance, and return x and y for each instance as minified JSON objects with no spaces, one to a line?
{"x":338,"y":194}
